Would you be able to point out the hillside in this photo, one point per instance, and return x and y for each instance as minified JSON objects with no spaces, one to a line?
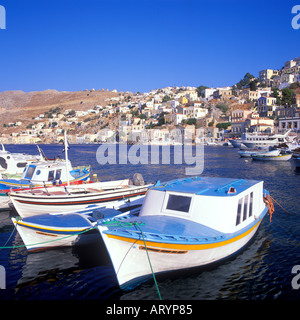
{"x":23,"y":106}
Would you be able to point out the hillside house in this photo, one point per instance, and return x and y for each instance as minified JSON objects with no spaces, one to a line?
{"x":266,"y":106}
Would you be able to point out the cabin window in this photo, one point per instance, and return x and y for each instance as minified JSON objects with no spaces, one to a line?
{"x":51,"y":175}
{"x":58,"y":174}
{"x":251,"y":205}
{"x":239,"y":212}
{"x":178,"y":203}
{"x":245,"y":207}
{"x":3,"y":163}
{"x":30,"y":172}
{"x":21,"y":164}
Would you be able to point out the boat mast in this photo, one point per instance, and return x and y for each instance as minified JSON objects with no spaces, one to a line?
{"x":66,"y":156}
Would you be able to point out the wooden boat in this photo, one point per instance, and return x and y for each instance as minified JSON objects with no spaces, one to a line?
{"x":61,"y":198}
{"x":269,"y":156}
{"x":183,"y":224}
{"x":46,"y":173}
{"x":249,"y":153}
{"x":14,"y":163}
{"x":70,"y":228}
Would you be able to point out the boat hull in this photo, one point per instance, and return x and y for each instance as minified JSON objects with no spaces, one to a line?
{"x":29,"y":206}
{"x":282,"y":157}
{"x":131,"y":264}
{"x":249,"y":154}
{"x":6,"y":185}
{"x":235,"y":143}
{"x":38,"y":237}
{"x":46,"y":231}
{"x":297,"y":162}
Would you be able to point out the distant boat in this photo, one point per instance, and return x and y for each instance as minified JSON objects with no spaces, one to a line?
{"x":249,"y":153}
{"x":259,"y":140}
{"x":236,"y":143}
{"x":269,"y":156}
{"x":185,"y":223}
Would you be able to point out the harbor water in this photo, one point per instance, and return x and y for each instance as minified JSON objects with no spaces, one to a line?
{"x":261,"y":271}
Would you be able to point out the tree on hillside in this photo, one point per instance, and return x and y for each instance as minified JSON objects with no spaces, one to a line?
{"x":275,"y":94}
{"x":200,"y":89}
{"x":223,"y":125}
{"x":192,"y":121}
{"x":253,"y":85}
{"x":161,"y":118}
{"x":223,"y":107}
{"x":248,"y":77}
{"x":287,"y":96}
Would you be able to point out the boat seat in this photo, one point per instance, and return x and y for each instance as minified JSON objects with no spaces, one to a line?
{"x":57,"y":193}
{"x":93,"y":190}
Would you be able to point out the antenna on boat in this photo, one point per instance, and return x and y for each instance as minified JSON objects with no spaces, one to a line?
{"x":66,"y":155}
{"x":40,"y":152}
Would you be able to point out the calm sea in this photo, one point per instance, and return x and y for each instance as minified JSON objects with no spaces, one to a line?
{"x":263,"y":270}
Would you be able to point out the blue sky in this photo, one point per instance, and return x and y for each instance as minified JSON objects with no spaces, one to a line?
{"x":139,"y":45}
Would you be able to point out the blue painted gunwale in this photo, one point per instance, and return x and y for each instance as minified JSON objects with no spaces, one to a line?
{"x":172,"y":230}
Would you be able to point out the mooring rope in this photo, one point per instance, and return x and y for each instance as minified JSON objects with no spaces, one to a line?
{"x":153,"y":275}
{"x":114,"y":223}
{"x":44,"y":242}
{"x":279,"y":205}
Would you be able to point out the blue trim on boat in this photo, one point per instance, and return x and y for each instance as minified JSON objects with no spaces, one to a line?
{"x":166,"y":229}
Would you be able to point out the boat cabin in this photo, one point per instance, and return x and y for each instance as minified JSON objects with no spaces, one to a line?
{"x":47,"y":171}
{"x":223,"y":204}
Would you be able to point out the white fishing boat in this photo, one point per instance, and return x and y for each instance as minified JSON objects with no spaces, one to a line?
{"x":70,"y":228}
{"x":46,"y":173}
{"x":269,"y":156}
{"x":65,"y":198}
{"x":249,"y":153}
{"x":14,"y":163}
{"x":185,"y":223}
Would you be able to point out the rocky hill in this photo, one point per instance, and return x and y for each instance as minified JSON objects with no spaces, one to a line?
{"x":23,"y":106}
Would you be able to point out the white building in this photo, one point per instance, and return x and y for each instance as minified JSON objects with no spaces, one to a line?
{"x":285,"y":80}
{"x":206,"y":93}
{"x":194,"y":112}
